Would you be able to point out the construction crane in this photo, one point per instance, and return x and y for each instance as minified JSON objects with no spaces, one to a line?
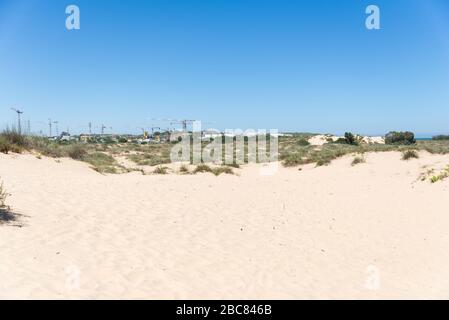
{"x":156,"y":135}
{"x":104,"y":127}
{"x":184,"y":123}
{"x":174,"y":121}
{"x":145,"y":134}
{"x":152,"y":129}
{"x":19,"y":113}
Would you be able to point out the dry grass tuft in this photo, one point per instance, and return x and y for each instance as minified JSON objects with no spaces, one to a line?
{"x":358,"y":160}
{"x":184,"y":169}
{"x":202,"y":168}
{"x":160,"y":170}
{"x":410,"y":154}
{"x":6,"y":215}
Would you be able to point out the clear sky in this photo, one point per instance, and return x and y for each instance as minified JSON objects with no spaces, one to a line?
{"x":307,"y":65}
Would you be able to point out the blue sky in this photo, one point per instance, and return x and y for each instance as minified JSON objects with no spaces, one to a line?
{"x":291,"y":65}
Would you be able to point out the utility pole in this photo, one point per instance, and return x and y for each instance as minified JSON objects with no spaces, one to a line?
{"x":90,"y":128}
{"x":102,"y":129}
{"x":49,"y":124}
{"x":19,"y":113}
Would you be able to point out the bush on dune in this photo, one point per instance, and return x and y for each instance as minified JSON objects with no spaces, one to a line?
{"x":12,"y":141}
{"x":45,"y":147}
{"x":441,"y":137}
{"x":77,"y":152}
{"x":101,"y":162}
{"x":303,"y":142}
{"x":5,"y":146}
{"x":14,"y":137}
{"x":400,"y":138}
{"x":349,"y":138}
{"x":323,"y":162}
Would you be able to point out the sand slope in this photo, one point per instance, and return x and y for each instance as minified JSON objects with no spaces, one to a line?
{"x":317,"y":233}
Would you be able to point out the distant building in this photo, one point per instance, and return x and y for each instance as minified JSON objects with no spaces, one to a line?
{"x":210,"y":134}
{"x":85,"y":137}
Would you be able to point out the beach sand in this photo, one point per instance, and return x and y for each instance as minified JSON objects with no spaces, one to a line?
{"x":364,"y":232}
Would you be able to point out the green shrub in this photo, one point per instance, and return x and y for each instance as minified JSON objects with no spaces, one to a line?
{"x":350,"y":138}
{"x":16,"y":149}
{"x":12,"y":141}
{"x":441,"y":137}
{"x":443,"y":175}
{"x":339,"y":141}
{"x":410,"y":154}
{"x":100,"y":158}
{"x":51,"y":150}
{"x":101,"y":162}
{"x":5,"y":146}
{"x":303,"y":143}
{"x":402,"y":138}
{"x":14,"y":137}
{"x":323,"y":162}
{"x":440,"y":177}
{"x":108,"y":140}
{"x":45,"y":147}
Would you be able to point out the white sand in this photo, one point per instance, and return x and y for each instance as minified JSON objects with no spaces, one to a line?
{"x":373,"y":140}
{"x":317,"y":233}
{"x":321,"y":139}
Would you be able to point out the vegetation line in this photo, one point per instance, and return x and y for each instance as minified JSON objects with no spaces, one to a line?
{"x":120,"y":155}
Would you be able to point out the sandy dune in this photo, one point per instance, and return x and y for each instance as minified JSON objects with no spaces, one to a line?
{"x":321,"y":139}
{"x":369,"y":231}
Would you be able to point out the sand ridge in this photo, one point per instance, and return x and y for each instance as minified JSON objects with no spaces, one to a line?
{"x":369,"y":231}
